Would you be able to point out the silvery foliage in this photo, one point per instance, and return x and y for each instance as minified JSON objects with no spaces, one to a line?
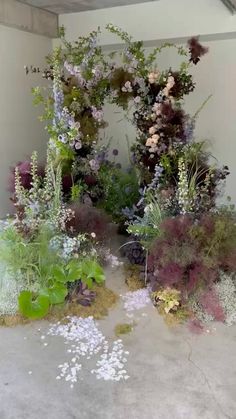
{"x":226,"y":290}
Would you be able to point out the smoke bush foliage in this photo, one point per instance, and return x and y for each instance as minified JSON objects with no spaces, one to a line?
{"x":189,"y":253}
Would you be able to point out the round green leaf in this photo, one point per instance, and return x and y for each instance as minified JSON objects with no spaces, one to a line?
{"x":33,"y":308}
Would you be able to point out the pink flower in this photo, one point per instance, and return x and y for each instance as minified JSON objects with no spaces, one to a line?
{"x":155,"y":138}
{"x":152,"y":142}
{"x":149,"y":142}
{"x":152,"y":130}
{"x":152,"y":77}
{"x":165,"y":91}
{"x":170,"y":82}
{"x":157,"y":108}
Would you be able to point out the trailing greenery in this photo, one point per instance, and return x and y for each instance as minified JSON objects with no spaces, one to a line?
{"x":121,"y":190}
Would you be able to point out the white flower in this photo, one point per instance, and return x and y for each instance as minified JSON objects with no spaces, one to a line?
{"x":152,"y":77}
{"x":137,"y":99}
{"x":152,"y":130}
{"x":157,"y":108}
{"x":170,"y":82}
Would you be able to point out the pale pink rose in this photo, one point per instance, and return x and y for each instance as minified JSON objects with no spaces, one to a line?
{"x":149,"y":142}
{"x":152,"y":77}
{"x":155,"y":138}
{"x":165,"y":91}
{"x":152,"y":130}
{"x":170,"y":82}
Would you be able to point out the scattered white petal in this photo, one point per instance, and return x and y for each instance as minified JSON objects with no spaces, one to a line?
{"x":134,"y":300}
{"x":86,"y":340}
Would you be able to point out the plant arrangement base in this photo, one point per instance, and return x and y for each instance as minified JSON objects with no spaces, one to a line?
{"x":105,"y":299}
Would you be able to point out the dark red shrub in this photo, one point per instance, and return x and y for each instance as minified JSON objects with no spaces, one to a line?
{"x":88,"y":219}
{"x":177,"y":228}
{"x":170,"y":275}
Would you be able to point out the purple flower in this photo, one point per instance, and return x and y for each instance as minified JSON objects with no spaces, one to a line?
{"x":78,"y":144}
{"x":62,"y":138}
{"x":58,"y":101}
{"x":97,"y":114}
{"x":115,"y":152}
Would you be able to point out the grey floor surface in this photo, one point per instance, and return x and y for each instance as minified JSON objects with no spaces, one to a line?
{"x":173,"y":373}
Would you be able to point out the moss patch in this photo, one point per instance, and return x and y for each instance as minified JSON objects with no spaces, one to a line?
{"x":105,"y":299}
{"x":132,"y":277}
{"x":123,"y":329}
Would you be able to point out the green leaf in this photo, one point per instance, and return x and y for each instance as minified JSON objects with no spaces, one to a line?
{"x":92,"y":270}
{"x":33,"y":308}
{"x":57,"y":293}
{"x":74,"y":271}
{"x":58,"y":273}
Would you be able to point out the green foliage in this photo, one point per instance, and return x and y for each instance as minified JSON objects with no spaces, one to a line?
{"x":91,"y":270}
{"x":33,"y":308}
{"x":56,"y":293}
{"x":137,"y":49}
{"x":46,"y":274}
{"x":32,"y":257}
{"x":147,"y":228}
{"x":121,"y":190}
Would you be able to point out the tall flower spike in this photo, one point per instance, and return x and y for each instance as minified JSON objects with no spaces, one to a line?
{"x":20,"y":192}
{"x":35,"y":177}
{"x":183,"y":191}
{"x":57,"y":85}
{"x":49,"y":177}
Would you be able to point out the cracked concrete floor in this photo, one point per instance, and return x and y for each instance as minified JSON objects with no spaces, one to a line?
{"x":173,"y":374}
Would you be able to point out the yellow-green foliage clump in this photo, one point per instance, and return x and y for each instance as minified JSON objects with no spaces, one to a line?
{"x":167,"y":299}
{"x":123,"y":329}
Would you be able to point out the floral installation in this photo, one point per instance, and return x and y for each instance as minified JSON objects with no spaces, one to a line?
{"x":183,"y":243}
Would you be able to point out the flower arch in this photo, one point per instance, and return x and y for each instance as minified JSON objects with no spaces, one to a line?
{"x":84,"y":77}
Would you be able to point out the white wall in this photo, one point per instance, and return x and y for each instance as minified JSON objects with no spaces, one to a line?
{"x":161,"y":19}
{"x":216,"y":74}
{"x":20,"y":131}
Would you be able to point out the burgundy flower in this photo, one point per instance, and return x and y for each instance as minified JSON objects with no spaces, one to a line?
{"x":90,"y":180}
{"x":196,"y":50}
{"x":67,"y":183}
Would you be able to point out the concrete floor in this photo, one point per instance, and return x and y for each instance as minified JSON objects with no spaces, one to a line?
{"x":173,"y":374}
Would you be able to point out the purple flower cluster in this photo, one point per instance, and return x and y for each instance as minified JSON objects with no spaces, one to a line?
{"x":155,"y":184}
{"x":97,"y":114}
